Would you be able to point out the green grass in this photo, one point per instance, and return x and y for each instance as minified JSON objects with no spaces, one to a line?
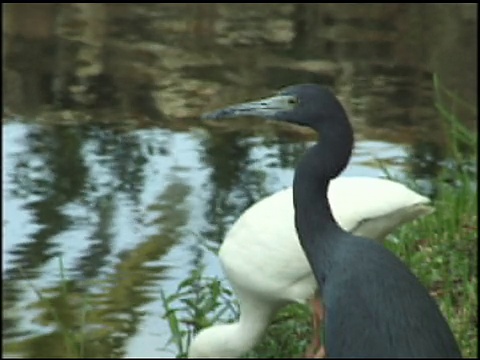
{"x":70,"y":335}
{"x":199,"y":302}
{"x":441,"y":249}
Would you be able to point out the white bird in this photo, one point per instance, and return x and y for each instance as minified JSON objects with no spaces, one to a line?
{"x":262,"y":257}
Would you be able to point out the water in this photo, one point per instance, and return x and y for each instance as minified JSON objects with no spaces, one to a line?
{"x":126,"y":213}
{"x":111,"y":181}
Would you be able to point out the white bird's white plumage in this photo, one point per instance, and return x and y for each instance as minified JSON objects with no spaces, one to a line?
{"x":267,"y":268}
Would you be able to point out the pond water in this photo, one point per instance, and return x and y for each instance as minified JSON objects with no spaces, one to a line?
{"x":112,"y":186}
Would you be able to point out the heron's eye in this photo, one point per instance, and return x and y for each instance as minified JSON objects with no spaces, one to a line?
{"x":293,"y":101}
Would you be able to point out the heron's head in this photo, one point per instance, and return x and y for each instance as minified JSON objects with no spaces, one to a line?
{"x":309,"y":105}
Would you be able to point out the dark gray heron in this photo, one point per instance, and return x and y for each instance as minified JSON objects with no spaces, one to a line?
{"x":373,"y":305}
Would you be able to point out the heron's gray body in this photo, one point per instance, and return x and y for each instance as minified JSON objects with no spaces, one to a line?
{"x":374,"y":305}
{"x":378,"y":308}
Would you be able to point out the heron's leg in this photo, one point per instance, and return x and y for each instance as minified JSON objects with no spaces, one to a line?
{"x":316,"y":349}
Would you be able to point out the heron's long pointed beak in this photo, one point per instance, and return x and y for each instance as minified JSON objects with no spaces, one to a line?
{"x":266,"y":108}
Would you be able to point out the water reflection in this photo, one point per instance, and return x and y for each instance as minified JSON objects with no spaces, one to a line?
{"x":124,"y":212}
{"x":108,"y":169}
{"x":137,"y":58}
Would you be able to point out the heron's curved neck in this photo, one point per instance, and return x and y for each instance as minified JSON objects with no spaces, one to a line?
{"x":235,"y":339}
{"x":251,"y":327}
{"x":315,"y":224}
